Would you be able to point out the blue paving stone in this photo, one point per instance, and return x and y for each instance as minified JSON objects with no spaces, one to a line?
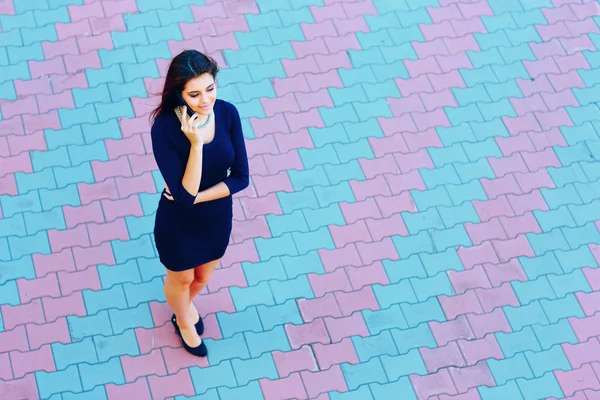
{"x":251,"y":296}
{"x":254,"y":369}
{"x":103,"y":373}
{"x":9,"y":293}
{"x":108,"y":347}
{"x":252,"y":391}
{"x":227,"y":349}
{"x":374,"y":346}
{"x":82,"y":327}
{"x":213,"y":376}
{"x":268,"y":341}
{"x":74,"y":353}
{"x":135,"y":317}
{"x":239,"y":322}
{"x":364,"y":373}
{"x":67,"y":380}
{"x":280,"y":314}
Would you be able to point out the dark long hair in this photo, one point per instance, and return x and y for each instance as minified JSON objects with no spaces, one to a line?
{"x":185,"y":66}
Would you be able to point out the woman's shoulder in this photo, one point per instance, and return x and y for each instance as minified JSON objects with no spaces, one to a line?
{"x":230,"y":109}
{"x":163,"y":123}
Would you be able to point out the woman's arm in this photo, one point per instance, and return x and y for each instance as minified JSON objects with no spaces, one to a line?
{"x":215,"y":192}
{"x":238,"y":178}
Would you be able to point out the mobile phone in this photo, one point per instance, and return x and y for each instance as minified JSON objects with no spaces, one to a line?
{"x":182,"y":103}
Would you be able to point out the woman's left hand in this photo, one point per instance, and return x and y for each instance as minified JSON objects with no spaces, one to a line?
{"x":168,"y":194}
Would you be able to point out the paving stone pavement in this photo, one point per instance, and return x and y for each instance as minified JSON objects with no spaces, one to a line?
{"x":422,"y":221}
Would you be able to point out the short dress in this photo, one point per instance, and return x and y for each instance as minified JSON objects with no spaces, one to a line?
{"x":188,"y":235}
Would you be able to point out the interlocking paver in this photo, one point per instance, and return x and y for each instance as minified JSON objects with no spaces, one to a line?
{"x":422,"y":220}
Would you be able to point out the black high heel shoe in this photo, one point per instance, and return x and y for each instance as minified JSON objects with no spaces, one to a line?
{"x":198,"y":325}
{"x":198,"y":351}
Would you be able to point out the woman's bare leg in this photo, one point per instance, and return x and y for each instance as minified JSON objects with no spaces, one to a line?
{"x":202,"y":275}
{"x":177,"y":294}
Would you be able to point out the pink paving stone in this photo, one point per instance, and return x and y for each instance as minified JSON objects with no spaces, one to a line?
{"x":447,"y":13}
{"x":461,"y":44}
{"x":254,"y":207}
{"x":336,"y":353}
{"x":279,"y":182}
{"x":84,"y":257}
{"x":377,"y":251}
{"x":278,"y":105}
{"x":526,"y":105}
{"x":390,"y":205}
{"x":383,"y":229}
{"x":149,"y":339}
{"x":14,"y":339}
{"x":250,"y":229}
{"x":304,"y":120}
{"x":171,"y":385}
{"x":240,"y":252}
{"x":39,"y":335}
{"x":478,"y":254}
{"x":515,"y":226}
{"x":311,"y":47}
{"x":582,"y":353}
{"x":293,"y":361}
{"x":148,"y":364}
{"x":495,"y":188}
{"x":406,"y":181}
{"x":346,"y":327}
{"x":105,"y":232}
{"x":471,"y":394}
{"x":370,"y":187}
{"x":285,"y":388}
{"x":472,"y":377}
{"x":48,"y":103}
{"x":505,"y":272}
{"x":7,"y":7}
{"x":547,"y":49}
{"x":324,"y":381}
{"x":534,"y":180}
{"x":582,"y":27}
{"x":306,"y":65}
{"x":431,"y":119}
{"x":427,"y":65}
{"x":19,"y":163}
{"x":69,"y":81}
{"x":359,"y":300}
{"x":577,"y":379}
{"x":330,"y":282}
{"x":54,"y":66}
{"x":488,"y":209}
{"x":37,"y":288}
{"x":62,"y":239}
{"x":137,"y":390}
{"x":501,"y":296}
{"x":55,"y":308}
{"x":554,"y":15}
{"x":485,"y":231}
{"x":515,"y":144}
{"x":119,"y":147}
{"x":590,"y":302}
{"x":6,"y":373}
{"x":86,"y":279}
{"x":437,"y":30}
{"x":32,"y":87}
{"x":263,"y":145}
{"x":320,"y":307}
{"x":495,"y":321}
{"x":341,"y":257}
{"x":76,"y":63}
{"x":37,"y":123}
{"x":115,"y":209}
{"x":214,"y":302}
{"x":227,"y":277}
{"x":568,"y":63}
{"x":586,"y":328}
{"x":330,"y":12}
{"x":541,"y":67}
{"x":32,"y":361}
{"x":432,"y":384}
{"x":83,"y":214}
{"x":469,"y":279}
{"x":91,"y":10}
{"x":507,"y":165}
{"x":13,"y":316}
{"x":319,"y":98}
{"x":108,"y":24}
{"x":267,"y":126}
{"x":405,"y":105}
{"x":25,"y":105}
{"x":110,"y":169}
{"x":215,"y":44}
{"x":447,"y":80}
{"x":513,"y":247}
{"x":391,"y":126}
{"x":584,"y":10}
{"x":476,"y":350}
{"x":551,"y":31}
{"x":25,"y":388}
{"x":567,"y":80}
{"x":443,"y":98}
{"x":414,"y":85}
{"x":309,"y":333}
{"x":461,"y":304}
{"x":379,"y":166}
{"x":47,"y":263}
{"x":342,"y":43}
{"x":453,"y":62}
{"x":468,"y":26}
{"x":555,"y":101}
{"x":359,"y":8}
{"x":230,"y":25}
{"x":12,"y":126}
{"x":388,"y":145}
{"x":32,"y":142}
{"x":366,"y":276}
{"x":102,"y":41}
{"x":177,"y":360}
{"x":140,"y":164}
{"x":89,"y":192}
{"x":528,"y":88}
{"x":475,"y":9}
{"x":527,"y":202}
{"x":281,"y":162}
{"x":446,"y":332}
{"x":296,"y":84}
{"x":319,"y":29}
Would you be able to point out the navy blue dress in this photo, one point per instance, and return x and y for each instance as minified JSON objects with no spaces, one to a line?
{"x":188,"y":235}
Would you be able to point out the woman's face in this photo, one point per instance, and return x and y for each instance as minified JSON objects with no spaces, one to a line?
{"x":200,"y":93}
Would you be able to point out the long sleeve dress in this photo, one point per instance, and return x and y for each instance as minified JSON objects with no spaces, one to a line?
{"x":188,"y":235}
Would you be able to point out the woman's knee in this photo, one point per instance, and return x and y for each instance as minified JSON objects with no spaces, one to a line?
{"x":203,"y":273}
{"x":183,"y":278}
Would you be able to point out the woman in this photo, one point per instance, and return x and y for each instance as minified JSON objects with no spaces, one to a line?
{"x":202,"y":158}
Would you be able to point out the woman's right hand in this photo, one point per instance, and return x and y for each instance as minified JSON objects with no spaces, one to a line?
{"x":189,"y":127}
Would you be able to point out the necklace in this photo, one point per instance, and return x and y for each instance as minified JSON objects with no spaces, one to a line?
{"x":200,"y":126}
